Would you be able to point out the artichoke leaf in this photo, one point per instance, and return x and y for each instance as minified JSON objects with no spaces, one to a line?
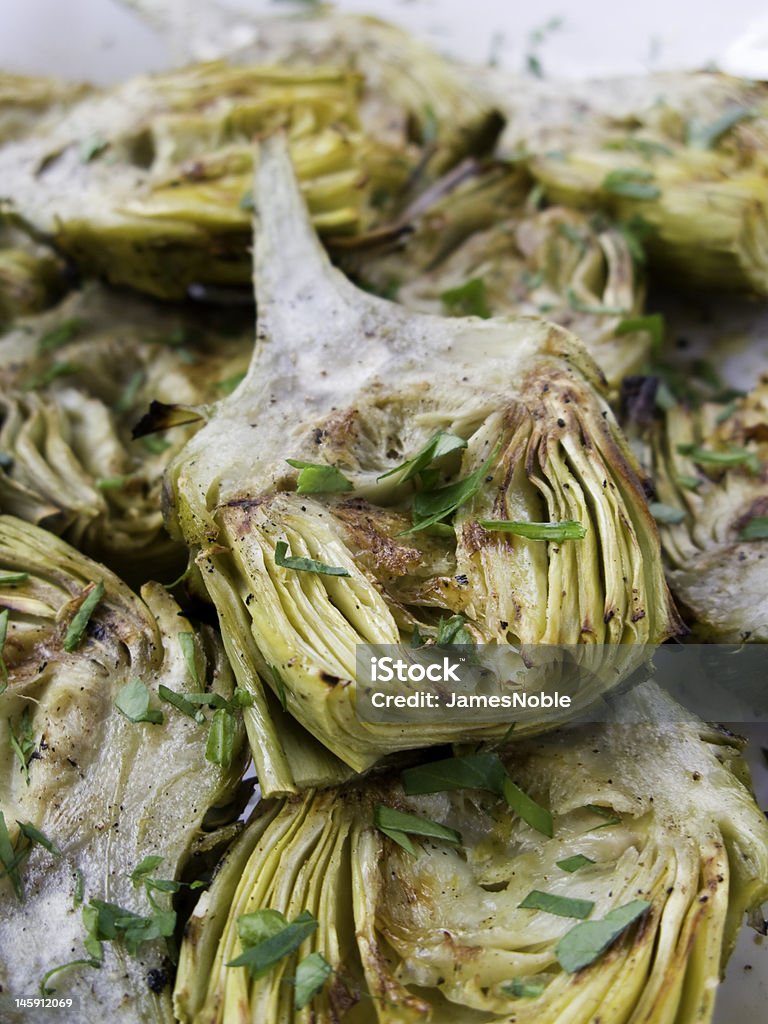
{"x":522,"y":393}
{"x":675,"y":852}
{"x":107,"y":791}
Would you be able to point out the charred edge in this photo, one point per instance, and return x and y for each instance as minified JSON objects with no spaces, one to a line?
{"x":162,"y":417}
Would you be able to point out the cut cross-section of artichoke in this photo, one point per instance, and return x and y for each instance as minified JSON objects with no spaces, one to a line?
{"x":74,"y":383}
{"x":477,"y":247}
{"x":353,"y":384}
{"x":651,"y":830}
{"x":149,"y":183}
{"x":709,"y":466}
{"x":98,"y":771}
{"x":680,"y":158}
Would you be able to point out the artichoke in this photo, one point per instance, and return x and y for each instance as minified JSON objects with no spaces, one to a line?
{"x":102,"y":776}
{"x":501,"y":421}
{"x":32,"y":276}
{"x":432,"y":900}
{"x":680,"y":158}
{"x":27,"y":102}
{"x":478,"y":249}
{"x":148,"y":184}
{"x":73,"y":383}
{"x":709,"y":465}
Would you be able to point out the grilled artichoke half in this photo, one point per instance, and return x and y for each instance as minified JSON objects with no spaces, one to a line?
{"x":681,"y":157}
{"x":149,"y":183}
{"x":655,"y":841}
{"x":477,"y":248}
{"x":709,"y":466}
{"x":353,"y":385}
{"x":87,"y":791}
{"x":73,"y":383}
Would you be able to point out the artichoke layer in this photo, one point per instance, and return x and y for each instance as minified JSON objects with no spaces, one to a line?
{"x":107,"y":791}
{"x":342,"y":378}
{"x":477,"y":247}
{"x":73,"y":384}
{"x":651,"y":798}
{"x":679,"y":157}
{"x":709,"y":466}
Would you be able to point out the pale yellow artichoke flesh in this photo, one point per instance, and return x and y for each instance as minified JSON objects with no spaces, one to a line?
{"x":107,"y":791}
{"x":73,"y":384}
{"x":652,"y":797}
{"x":344,"y":378}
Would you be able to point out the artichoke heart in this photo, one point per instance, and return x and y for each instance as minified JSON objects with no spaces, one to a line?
{"x":73,"y":384}
{"x":353,"y":385}
{"x":657,"y":850}
{"x":709,"y":466}
{"x":477,"y":248}
{"x":99,"y":774}
{"x":149,"y":183}
{"x":679,"y":158}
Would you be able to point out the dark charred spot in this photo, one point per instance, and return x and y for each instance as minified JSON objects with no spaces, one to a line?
{"x":157,"y":979}
{"x":637,"y":400}
{"x":640,"y":614}
{"x":329,"y":679}
{"x":609,"y":615}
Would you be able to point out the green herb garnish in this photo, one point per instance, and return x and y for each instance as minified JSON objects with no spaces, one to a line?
{"x":631,"y":182}
{"x":522,"y":989}
{"x":9,"y":579}
{"x":653,"y":324}
{"x":567,"y":530}
{"x":91,"y":147}
{"x":756,"y":529}
{"x":440,"y":444}
{"x":574,"y":863}
{"x":562,"y":906}
{"x":604,"y":812}
{"x":133,"y":701}
{"x":228,"y":385}
{"x":108,"y":922}
{"x":584,"y":943}
{"x":268,"y":937}
{"x":59,"y":335}
{"x":92,"y":594}
{"x":467,"y":300}
{"x":23,"y":743}
{"x":43,"y":988}
{"x":220,"y":747}
{"x":9,"y":860}
{"x":396,"y":824}
{"x":50,"y":374}
{"x":311,"y":974}
{"x":477,"y":771}
{"x":732,"y":457}
{"x":3,"y":666}
{"x":453,"y":631}
{"x":666,"y":513}
{"x":111,"y":483}
{"x":155,"y":444}
{"x":431,"y":506}
{"x":180,"y":702}
{"x":316,"y":478}
{"x":706,"y":135}
{"x":304,"y":564}
{"x":130,"y":392}
{"x":187,"y":645}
